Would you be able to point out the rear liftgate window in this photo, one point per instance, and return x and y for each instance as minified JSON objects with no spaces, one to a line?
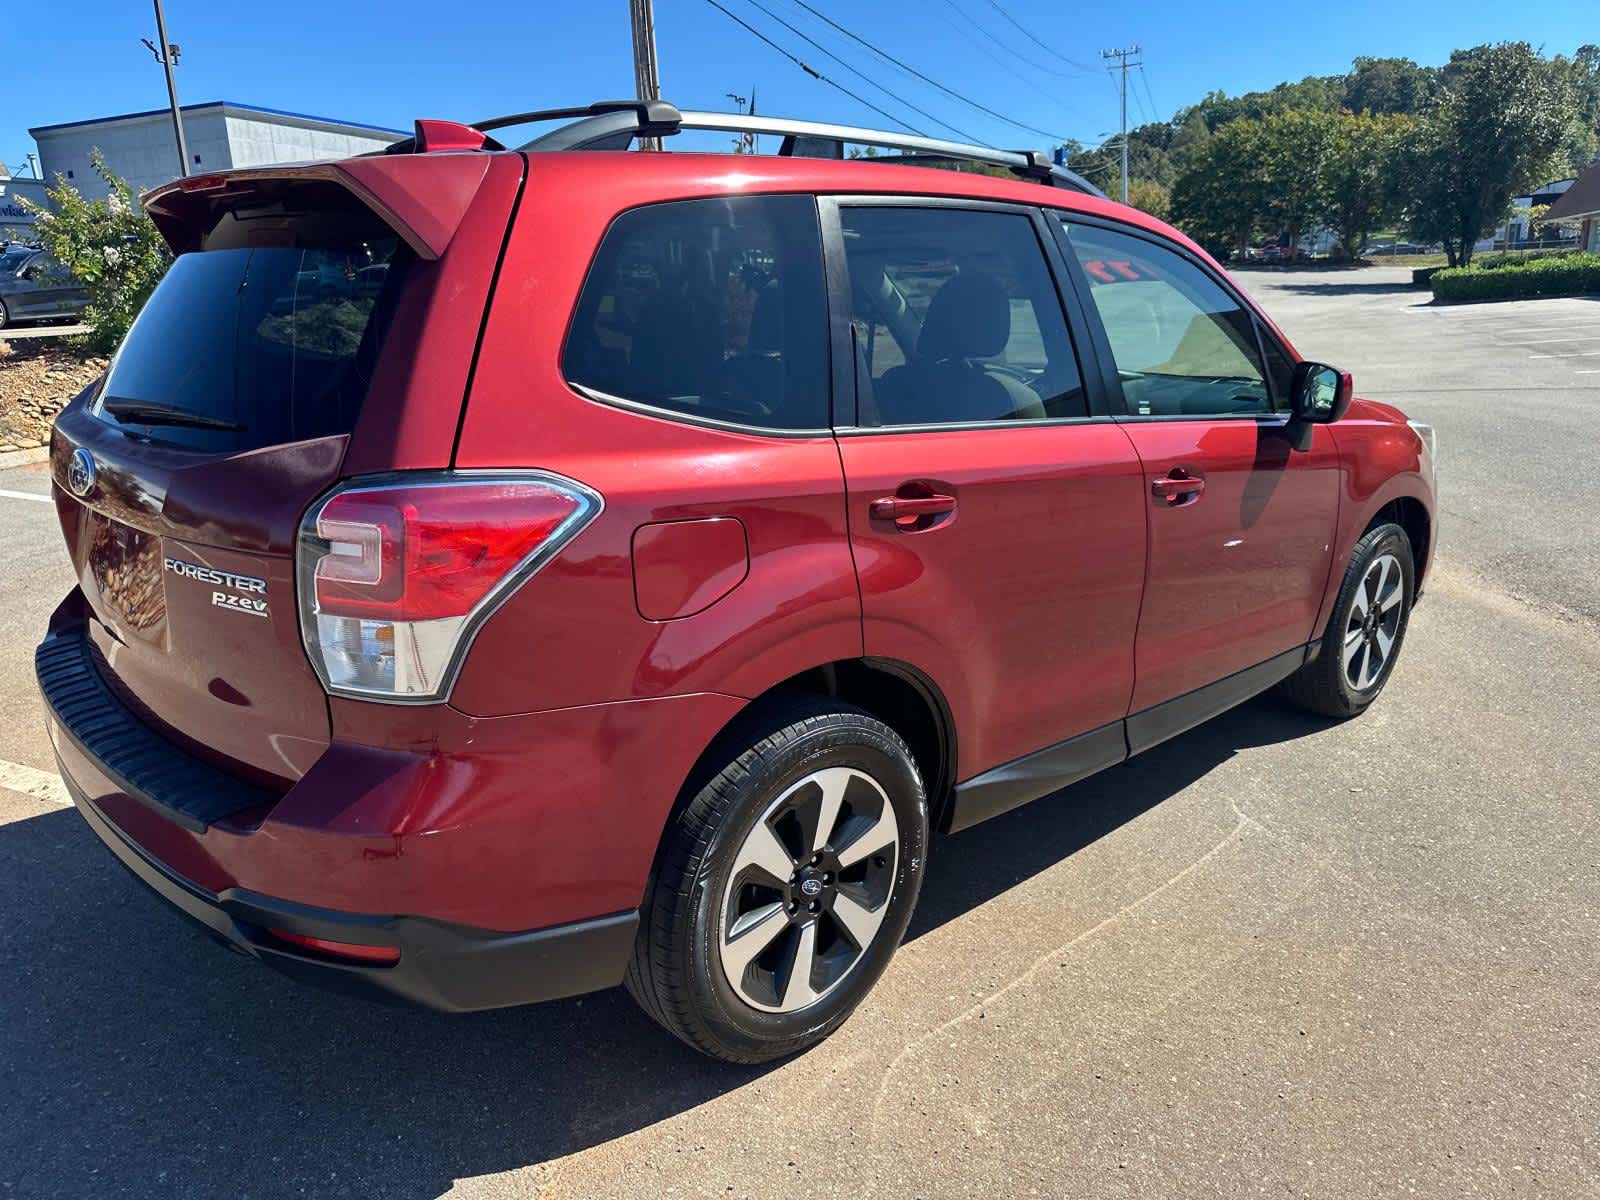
{"x":248,"y":347}
{"x":713,"y":309}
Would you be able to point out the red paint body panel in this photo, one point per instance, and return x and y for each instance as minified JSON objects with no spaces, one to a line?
{"x":1020,"y":605}
{"x":414,"y":406}
{"x":1236,"y":572}
{"x":1059,"y":595}
{"x":1383,"y":461}
{"x":684,"y":567}
{"x":424,"y":198}
{"x":575,"y":636}
{"x":230,"y":688}
{"x":508,"y":824}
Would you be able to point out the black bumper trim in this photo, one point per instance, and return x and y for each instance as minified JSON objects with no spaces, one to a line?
{"x":145,"y":765}
{"x":443,"y":966}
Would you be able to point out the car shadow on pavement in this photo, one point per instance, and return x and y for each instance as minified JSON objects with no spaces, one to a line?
{"x":1355,"y":288}
{"x":138,"y":1058}
{"x":973,"y":867}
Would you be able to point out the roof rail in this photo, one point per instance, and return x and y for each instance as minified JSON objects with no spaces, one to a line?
{"x":613,"y":125}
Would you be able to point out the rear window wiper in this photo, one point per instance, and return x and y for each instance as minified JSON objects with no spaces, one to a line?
{"x":141,"y":412}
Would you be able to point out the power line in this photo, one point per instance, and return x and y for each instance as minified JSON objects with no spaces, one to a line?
{"x":818,"y":45}
{"x":1145,"y":79}
{"x":995,"y":4}
{"x":884,"y":54}
{"x":1038,"y":66}
{"x":812,"y":71}
{"x":995,"y":58}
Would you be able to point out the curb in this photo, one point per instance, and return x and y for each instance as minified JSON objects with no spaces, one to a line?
{"x":23,"y":458}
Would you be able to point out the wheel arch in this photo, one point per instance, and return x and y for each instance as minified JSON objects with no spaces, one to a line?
{"x":899,"y":694}
{"x":1412,"y":516}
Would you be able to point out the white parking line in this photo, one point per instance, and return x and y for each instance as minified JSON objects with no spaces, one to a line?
{"x":1571,"y":337}
{"x":10,"y":495}
{"x":1577,"y":354}
{"x":1558,"y":325}
{"x":30,"y":781}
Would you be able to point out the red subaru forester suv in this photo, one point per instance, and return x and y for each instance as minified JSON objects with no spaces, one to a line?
{"x":509,"y":573}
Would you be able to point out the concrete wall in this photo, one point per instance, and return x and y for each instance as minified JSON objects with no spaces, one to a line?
{"x":255,"y":140}
{"x":141,"y":148}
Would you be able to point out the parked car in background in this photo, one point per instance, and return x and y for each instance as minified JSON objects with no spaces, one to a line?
{"x":35,"y":287}
{"x":624,"y":574}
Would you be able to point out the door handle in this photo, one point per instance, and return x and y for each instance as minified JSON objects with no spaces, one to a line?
{"x":1178,"y":485}
{"x":899,"y":508}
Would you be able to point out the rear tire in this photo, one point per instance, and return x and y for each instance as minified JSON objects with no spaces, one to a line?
{"x":784,"y":886}
{"x":1365,"y":632}
{"x":5,"y":315}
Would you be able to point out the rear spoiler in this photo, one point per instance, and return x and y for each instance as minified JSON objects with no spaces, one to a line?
{"x":423,"y":198}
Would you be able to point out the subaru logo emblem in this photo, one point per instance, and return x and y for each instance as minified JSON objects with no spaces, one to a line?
{"x":811,"y":887}
{"x":80,"y":472}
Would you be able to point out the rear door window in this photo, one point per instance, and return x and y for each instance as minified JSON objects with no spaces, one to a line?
{"x":957,"y":318}
{"x":710,"y":309}
{"x":243,"y":348}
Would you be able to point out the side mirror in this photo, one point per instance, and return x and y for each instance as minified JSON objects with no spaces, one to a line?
{"x":1320,"y":394}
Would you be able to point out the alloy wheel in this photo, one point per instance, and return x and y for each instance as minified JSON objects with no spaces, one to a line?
{"x":1373,"y":623}
{"x":809,"y":890}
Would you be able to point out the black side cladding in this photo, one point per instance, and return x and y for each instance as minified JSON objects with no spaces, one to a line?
{"x":152,"y":770}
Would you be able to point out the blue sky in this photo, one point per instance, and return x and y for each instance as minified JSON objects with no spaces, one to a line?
{"x":387,"y":64}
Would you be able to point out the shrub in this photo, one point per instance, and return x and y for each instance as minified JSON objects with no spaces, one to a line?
{"x":1571,"y":275}
{"x":110,"y":246}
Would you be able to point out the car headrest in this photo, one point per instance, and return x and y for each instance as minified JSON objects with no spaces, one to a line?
{"x":970,"y":317}
{"x":766,"y":321}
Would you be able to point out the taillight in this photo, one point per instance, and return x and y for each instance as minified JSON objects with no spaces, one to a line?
{"x":397,"y":575}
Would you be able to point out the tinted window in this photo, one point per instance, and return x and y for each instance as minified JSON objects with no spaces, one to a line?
{"x":710,"y":308}
{"x":1182,"y":345}
{"x":278,"y":342}
{"x":957,"y":317}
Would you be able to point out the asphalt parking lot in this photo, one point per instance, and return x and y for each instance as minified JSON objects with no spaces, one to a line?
{"x":1274,"y":956}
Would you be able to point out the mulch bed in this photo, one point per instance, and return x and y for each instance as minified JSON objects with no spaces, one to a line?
{"x":37,"y":378}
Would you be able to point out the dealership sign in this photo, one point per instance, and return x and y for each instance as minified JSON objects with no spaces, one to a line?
{"x":11,"y":212}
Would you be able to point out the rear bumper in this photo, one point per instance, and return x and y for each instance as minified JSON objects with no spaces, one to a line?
{"x":452,"y":968}
{"x":504,"y":858}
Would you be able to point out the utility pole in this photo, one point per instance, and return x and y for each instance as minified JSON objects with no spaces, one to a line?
{"x":167,"y":55}
{"x":1122,"y":56}
{"x":744,"y":143}
{"x":646,"y":74}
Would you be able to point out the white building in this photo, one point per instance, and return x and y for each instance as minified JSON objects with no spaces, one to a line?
{"x":16,"y":221}
{"x":141,"y":148}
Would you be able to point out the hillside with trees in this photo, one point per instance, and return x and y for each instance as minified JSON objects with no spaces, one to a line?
{"x":1437,"y":152}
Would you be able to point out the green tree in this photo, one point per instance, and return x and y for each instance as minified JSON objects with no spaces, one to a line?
{"x":110,"y":246}
{"x":1294,"y":146}
{"x":1150,"y":197}
{"x":1583,"y":74}
{"x":1218,"y":199}
{"x":1388,"y":85}
{"x":1497,"y":128}
{"x":1189,"y":141}
{"x":1358,"y":189}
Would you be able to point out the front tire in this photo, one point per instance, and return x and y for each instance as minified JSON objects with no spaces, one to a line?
{"x":1365,"y":632}
{"x":785,"y":885}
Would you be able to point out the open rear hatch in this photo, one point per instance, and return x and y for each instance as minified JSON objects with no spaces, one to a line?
{"x":182,"y":477}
